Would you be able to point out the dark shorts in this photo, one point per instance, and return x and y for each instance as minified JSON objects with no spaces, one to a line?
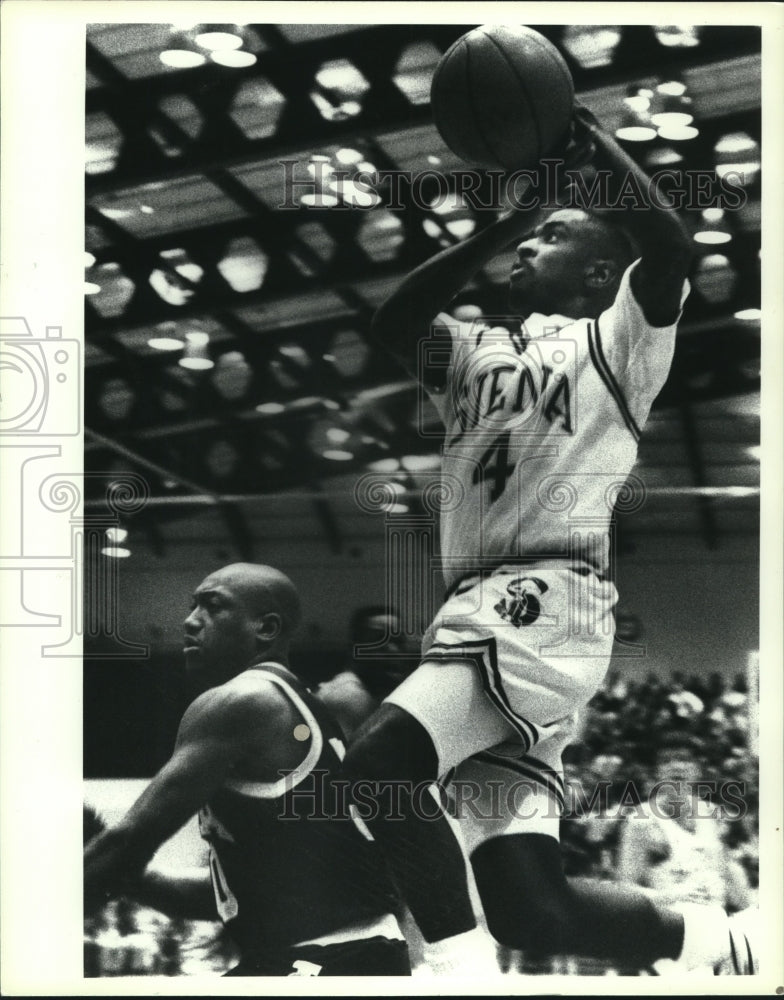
{"x":376,"y":956}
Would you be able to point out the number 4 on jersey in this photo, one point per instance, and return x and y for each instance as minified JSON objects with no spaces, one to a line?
{"x":495,"y":462}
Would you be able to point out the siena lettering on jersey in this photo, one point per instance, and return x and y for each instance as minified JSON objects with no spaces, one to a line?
{"x":509,"y":381}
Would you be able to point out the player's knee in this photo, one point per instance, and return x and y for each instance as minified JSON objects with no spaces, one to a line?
{"x":391,"y":746}
{"x":525,"y":896}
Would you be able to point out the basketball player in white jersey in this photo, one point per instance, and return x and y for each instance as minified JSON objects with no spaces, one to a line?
{"x":295,"y":878}
{"x":542,"y":422}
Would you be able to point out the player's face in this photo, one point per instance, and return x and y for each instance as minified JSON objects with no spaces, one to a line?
{"x":219,"y":632}
{"x":549,"y":272}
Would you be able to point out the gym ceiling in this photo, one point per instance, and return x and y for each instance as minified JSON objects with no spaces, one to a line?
{"x":226,"y":313}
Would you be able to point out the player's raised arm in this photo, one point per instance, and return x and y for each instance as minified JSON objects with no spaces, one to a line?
{"x":666,"y":247}
{"x":215,"y":733}
{"x":405,"y":318}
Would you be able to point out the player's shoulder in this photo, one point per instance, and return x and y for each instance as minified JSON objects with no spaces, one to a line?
{"x":246,"y":701}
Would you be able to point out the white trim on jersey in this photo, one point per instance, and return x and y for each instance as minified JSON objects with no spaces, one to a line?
{"x":482,"y":653}
{"x":531,"y":768}
{"x":606,"y":375}
{"x":274,"y":789}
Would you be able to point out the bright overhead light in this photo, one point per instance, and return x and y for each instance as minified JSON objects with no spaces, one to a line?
{"x":348,"y":157}
{"x":678,"y":133}
{"x":677,"y":35}
{"x":165,"y":343}
{"x":672,"y":88}
{"x":195,"y":357}
{"x":751,"y":315}
{"x":236,"y":59}
{"x":182,"y":58}
{"x":89,"y":259}
{"x":116,"y":535}
{"x":270,"y":409}
{"x":337,"y":435}
{"x":337,"y":455}
{"x":319,"y":200}
{"x":196,"y":364}
{"x":712,"y":237}
{"x":218,"y":41}
{"x":90,"y":288}
{"x":384,"y":465}
{"x":115,"y":552}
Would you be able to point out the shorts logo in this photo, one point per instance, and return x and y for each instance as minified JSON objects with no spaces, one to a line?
{"x":524,"y":607}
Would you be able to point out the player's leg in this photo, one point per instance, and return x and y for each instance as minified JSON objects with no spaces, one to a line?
{"x":438,"y":716}
{"x":529,"y":903}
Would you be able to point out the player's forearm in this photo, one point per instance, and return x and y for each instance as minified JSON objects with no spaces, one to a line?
{"x":186,"y":894}
{"x":657,"y":229}
{"x":406,"y":315}
{"x":110,"y":859}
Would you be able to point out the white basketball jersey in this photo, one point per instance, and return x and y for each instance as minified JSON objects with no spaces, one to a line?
{"x":542,"y":427}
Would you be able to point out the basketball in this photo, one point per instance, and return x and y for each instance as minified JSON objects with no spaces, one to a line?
{"x":502,"y":96}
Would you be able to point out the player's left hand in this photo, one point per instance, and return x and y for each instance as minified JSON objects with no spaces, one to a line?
{"x":579,"y":149}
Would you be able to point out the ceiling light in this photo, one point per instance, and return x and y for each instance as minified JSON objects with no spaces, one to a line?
{"x":165,"y":343}
{"x":115,"y":552}
{"x":195,"y":357}
{"x":712,"y":229}
{"x":218,"y":41}
{"x":664,"y":156}
{"x":89,"y":259}
{"x":750,"y":315}
{"x":672,"y":88}
{"x":384,"y":465}
{"x":244,"y":266}
{"x":677,"y":35}
{"x":592,"y":45}
{"x":414,"y":71}
{"x":182,"y":58}
{"x":349,"y":157}
{"x":116,"y":535}
{"x":337,"y":455}
{"x":678,"y":133}
{"x":236,"y":59}
{"x":636,"y":125}
{"x":337,"y":435}
{"x":343,"y":78}
{"x":671,"y":105}
{"x":90,"y":288}
{"x":319,"y":200}
{"x":270,"y":409}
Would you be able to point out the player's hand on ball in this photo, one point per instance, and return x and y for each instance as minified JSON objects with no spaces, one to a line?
{"x":579,"y":149}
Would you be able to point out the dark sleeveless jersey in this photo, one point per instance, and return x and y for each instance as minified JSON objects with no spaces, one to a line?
{"x":289,"y":859}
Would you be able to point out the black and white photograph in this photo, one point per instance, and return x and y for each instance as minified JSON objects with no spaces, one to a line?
{"x":390,"y":436}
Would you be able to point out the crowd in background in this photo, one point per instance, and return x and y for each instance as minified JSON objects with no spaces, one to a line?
{"x":624,"y":726}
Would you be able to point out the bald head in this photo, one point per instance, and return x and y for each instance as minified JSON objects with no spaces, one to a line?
{"x":241,"y":614}
{"x":262,"y":589}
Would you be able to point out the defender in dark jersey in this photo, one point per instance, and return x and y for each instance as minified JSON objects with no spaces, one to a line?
{"x":295,"y":875}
